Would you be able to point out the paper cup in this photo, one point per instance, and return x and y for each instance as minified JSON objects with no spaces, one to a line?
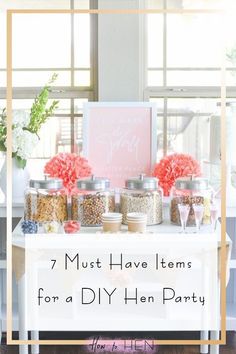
{"x":111,"y":226}
{"x":136,"y":216}
{"x":111,"y":222}
{"x":137,"y":222}
{"x":111,"y":216}
{"x":137,"y":226}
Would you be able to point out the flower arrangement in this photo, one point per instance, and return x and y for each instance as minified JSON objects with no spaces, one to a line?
{"x":68,"y":167}
{"x":26,"y":125}
{"x":174,"y":166}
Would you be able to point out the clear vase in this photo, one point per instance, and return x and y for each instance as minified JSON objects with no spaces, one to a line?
{"x":20,"y":180}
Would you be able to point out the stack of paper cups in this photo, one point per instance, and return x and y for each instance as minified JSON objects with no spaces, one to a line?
{"x":137,"y":222}
{"x":111,"y":222}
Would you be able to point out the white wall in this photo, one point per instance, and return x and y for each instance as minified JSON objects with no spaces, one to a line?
{"x":119,"y":49}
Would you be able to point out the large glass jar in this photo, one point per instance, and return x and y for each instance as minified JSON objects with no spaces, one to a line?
{"x":93,"y":199}
{"x":45,"y":201}
{"x":142,"y":195}
{"x":190,"y":191}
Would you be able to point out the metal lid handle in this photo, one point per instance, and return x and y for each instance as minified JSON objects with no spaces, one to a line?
{"x":192,"y":176}
{"x":141,"y":176}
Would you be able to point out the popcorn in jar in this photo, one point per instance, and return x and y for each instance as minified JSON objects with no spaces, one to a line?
{"x":142,"y":195}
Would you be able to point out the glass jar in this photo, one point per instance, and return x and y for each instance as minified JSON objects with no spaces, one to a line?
{"x":45,"y":202}
{"x":93,"y":199}
{"x":142,"y":195}
{"x":190,"y":191}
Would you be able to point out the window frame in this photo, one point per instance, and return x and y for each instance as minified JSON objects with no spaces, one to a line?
{"x":71,"y":92}
{"x":167,"y":92}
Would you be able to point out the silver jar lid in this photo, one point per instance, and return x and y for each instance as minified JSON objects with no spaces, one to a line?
{"x":47,"y":183}
{"x":191,"y":183}
{"x":93,"y":183}
{"x":142,"y":183}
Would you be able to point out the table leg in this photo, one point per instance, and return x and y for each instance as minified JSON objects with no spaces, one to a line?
{"x":23,"y":334}
{"x":204,"y":335}
{"x":215,"y":349}
{"x":34,"y":347}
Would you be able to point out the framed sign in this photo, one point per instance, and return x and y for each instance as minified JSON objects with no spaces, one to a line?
{"x":120,"y":139}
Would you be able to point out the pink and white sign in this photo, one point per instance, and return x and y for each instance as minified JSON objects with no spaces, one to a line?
{"x":120,"y":139}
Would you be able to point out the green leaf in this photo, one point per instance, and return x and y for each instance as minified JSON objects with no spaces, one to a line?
{"x":2,"y":146}
{"x":39,"y":111}
{"x":39,"y":114}
{"x":21,"y":163}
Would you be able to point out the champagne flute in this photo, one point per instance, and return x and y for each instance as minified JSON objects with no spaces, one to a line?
{"x":214,"y":215}
{"x":199,"y":213}
{"x":184,"y":210}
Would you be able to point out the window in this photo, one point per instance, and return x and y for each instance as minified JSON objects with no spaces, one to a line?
{"x":183,"y":76}
{"x":44,"y":44}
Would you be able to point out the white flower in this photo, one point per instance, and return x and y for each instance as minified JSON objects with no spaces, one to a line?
{"x":23,"y":142}
{"x":21,"y":118}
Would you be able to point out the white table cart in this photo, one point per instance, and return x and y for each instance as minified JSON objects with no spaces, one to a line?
{"x":163,"y":228}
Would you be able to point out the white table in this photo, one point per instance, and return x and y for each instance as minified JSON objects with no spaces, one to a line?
{"x":165,"y":227}
{"x":18,"y":210}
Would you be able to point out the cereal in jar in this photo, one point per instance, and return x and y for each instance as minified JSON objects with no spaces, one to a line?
{"x":45,"y":201}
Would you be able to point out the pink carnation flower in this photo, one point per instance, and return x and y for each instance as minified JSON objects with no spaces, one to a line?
{"x":69,"y":167}
{"x":174,"y":166}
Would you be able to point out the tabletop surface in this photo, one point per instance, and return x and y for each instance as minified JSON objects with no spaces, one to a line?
{"x":164,"y":228}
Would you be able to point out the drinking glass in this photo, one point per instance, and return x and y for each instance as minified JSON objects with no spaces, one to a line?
{"x":199,"y":213}
{"x":184,"y":210}
{"x":214,"y":215}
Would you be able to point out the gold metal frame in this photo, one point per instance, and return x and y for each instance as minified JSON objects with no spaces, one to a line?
{"x":10,"y":341}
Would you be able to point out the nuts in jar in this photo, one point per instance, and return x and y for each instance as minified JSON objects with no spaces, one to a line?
{"x":187,"y":200}
{"x":190,"y":191}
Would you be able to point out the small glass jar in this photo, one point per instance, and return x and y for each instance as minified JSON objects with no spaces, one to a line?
{"x":190,"y":191}
{"x":142,"y":195}
{"x":45,"y":202}
{"x":93,"y":199}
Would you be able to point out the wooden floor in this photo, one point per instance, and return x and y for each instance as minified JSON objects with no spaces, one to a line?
{"x":230,"y":348}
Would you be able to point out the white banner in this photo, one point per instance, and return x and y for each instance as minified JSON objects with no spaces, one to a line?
{"x":108,"y":282}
